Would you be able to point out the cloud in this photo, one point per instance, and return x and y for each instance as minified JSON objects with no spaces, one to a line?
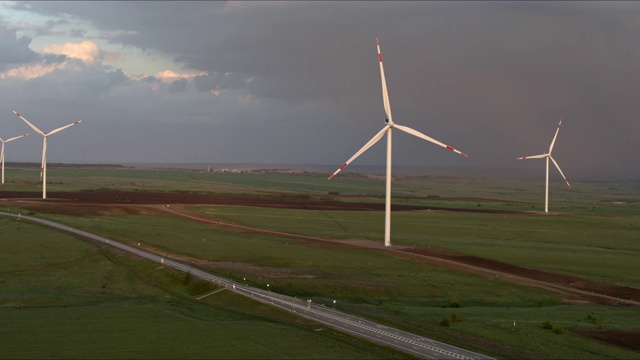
{"x":28,"y":72}
{"x":169,"y":76}
{"x":18,"y":60}
{"x":490,"y":78}
{"x":14,"y":49}
{"x":86,"y":51}
{"x":55,"y":57}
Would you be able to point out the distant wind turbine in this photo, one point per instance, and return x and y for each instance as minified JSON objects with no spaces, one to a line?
{"x":548,"y":156}
{"x":43,"y":168}
{"x":387,"y":130}
{"x":2,"y":153}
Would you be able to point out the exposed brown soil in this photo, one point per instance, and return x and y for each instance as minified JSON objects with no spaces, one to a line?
{"x":628,"y":339}
{"x":174,"y":204}
{"x":275,"y":201}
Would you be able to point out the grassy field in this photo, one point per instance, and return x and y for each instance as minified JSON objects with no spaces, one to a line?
{"x":407,"y":294}
{"x":512,"y":194}
{"x":61,"y":297}
{"x":593,"y":247}
{"x":596,"y":238}
{"x":141,"y":179}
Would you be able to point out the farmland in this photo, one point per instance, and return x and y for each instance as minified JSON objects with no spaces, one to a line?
{"x":64,"y":298}
{"x":592,"y":235}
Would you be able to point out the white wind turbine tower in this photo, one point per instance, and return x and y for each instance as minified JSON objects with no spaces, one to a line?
{"x":548,"y":156}
{"x":2,"y":153}
{"x":387,"y":130}
{"x":43,"y":169}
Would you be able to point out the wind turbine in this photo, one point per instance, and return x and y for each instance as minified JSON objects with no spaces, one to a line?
{"x":548,"y":156}
{"x":43,"y":168}
{"x":2,"y":153}
{"x":387,"y":130}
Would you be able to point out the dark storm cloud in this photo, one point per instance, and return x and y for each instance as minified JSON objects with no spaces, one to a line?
{"x":490,"y":78}
{"x":77,"y":33}
{"x":14,"y":49}
{"x":78,"y":82}
{"x":218,"y":81}
{"x":47,"y":28}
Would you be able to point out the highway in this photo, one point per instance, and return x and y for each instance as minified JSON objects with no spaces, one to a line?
{"x":415,"y":345}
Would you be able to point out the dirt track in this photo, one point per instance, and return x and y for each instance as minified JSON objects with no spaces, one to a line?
{"x":103,"y":203}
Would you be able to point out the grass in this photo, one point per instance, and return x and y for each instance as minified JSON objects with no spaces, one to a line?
{"x":332,"y":271}
{"x":513,"y":194}
{"x":593,"y":247}
{"x":64,"y":298}
{"x":138,"y":179}
{"x":130,"y":329}
{"x":403,"y":293}
{"x":595,"y":239}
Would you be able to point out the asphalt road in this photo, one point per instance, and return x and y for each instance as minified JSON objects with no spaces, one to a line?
{"x":415,"y":345}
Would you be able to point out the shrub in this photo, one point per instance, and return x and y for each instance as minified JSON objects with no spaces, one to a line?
{"x":449,"y":320}
{"x":445,"y":322}
{"x":549,"y":326}
{"x":546,"y":325}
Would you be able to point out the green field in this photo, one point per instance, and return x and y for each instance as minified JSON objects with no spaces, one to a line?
{"x":61,"y":297}
{"x":403,"y":293}
{"x":607,"y":198}
{"x":592,"y":247}
{"x":596,"y":238}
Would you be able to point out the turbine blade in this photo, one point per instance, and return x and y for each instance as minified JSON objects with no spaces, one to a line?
{"x":28,"y":123}
{"x":413,"y":132}
{"x":542,"y":156}
{"x":63,"y":127}
{"x":17,"y":137}
{"x":366,"y":146}
{"x":558,"y":167}
{"x":555,"y":136}
{"x":385,"y":94}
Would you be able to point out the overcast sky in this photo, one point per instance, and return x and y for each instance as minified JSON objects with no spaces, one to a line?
{"x":299,"y":82}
